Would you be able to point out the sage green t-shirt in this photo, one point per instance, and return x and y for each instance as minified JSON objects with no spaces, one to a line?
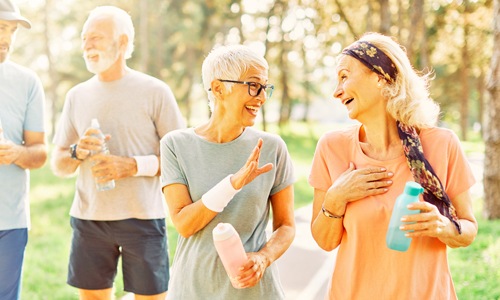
{"x":186,"y":158}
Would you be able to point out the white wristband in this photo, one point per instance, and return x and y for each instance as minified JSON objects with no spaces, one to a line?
{"x":146,"y":165}
{"x":217,"y":198}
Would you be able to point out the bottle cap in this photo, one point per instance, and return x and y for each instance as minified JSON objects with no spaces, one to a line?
{"x":95,"y":124}
{"x":223,"y":231}
{"x":413,"y":188}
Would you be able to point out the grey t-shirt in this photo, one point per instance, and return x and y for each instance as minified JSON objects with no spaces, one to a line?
{"x":186,"y":158}
{"x":137,"y":111}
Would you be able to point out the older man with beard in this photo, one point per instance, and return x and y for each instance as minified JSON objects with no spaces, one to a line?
{"x":135,"y":110}
{"x":22,"y":147}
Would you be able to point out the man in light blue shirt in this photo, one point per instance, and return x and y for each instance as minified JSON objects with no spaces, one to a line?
{"x":22,"y":147}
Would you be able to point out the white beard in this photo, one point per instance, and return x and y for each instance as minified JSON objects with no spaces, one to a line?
{"x":106,"y":59}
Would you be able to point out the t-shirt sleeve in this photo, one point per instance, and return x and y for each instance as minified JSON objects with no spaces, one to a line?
{"x":459,"y":173}
{"x":66,"y":133}
{"x":320,"y":178}
{"x":168,"y":116}
{"x":35,"y":110}
{"x":170,"y":169}
{"x":284,"y":168}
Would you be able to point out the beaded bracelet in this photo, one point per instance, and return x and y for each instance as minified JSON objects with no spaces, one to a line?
{"x":329,"y":214}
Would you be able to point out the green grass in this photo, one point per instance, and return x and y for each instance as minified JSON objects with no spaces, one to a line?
{"x":475,"y":269}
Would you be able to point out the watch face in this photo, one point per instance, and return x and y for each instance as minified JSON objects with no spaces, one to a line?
{"x":72,"y":151}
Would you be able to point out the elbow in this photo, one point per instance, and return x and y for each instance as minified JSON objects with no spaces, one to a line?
{"x":40,"y":162}
{"x":183,"y":230}
{"x":57,"y":170}
{"x":325,"y":242}
{"x":185,"y":233}
{"x":326,"y":246}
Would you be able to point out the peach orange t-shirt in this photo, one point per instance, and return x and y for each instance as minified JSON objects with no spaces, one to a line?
{"x":365,"y":267}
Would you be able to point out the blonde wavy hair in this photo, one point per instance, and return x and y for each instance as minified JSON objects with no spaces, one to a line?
{"x":409,"y":96}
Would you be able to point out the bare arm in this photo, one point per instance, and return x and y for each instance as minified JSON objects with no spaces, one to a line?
{"x":31,"y":155}
{"x":430,"y":222}
{"x":187,"y":217}
{"x":190,"y":217}
{"x":280,"y":240}
{"x":327,"y":232}
{"x":61,"y":163}
{"x":352,"y":185}
{"x":105,"y":167}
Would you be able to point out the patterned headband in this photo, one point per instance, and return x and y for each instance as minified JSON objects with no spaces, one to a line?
{"x":374,"y":58}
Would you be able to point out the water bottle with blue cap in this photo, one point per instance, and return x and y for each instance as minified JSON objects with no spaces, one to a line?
{"x":395,"y":238}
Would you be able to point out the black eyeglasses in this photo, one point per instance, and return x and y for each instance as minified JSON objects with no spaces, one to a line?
{"x":254,"y":88}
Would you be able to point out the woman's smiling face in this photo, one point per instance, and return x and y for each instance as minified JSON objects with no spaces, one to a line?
{"x":358,"y":87}
{"x":239,"y":102}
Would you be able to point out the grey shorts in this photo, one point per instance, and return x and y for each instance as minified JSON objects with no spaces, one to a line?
{"x":97,"y":246}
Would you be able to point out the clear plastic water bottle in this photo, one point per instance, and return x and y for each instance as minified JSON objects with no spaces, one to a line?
{"x":230,"y":249}
{"x":108,"y":185}
{"x":395,"y":238}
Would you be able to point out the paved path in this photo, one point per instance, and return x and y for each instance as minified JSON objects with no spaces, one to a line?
{"x":305,"y":268}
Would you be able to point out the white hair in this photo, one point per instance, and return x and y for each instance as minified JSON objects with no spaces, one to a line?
{"x":228,"y":62}
{"x":123,"y":24}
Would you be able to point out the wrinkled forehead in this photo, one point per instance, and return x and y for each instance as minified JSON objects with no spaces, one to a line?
{"x":9,"y":23}
{"x":101,"y":24}
{"x":344,"y":62}
{"x":257,"y":73}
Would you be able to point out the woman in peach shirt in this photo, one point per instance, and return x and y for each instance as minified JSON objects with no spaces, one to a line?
{"x":358,"y":172}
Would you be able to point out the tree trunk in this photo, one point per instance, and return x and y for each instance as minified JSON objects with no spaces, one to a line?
{"x":143,"y":36}
{"x":417,"y":11}
{"x":464,"y":75}
{"x":480,"y":102}
{"x":346,"y":19}
{"x":492,"y":133}
{"x":385,"y":17}
{"x":51,"y":89}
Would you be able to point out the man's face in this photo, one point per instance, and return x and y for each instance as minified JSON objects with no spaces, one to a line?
{"x":100,"y":45}
{"x":8,"y":31}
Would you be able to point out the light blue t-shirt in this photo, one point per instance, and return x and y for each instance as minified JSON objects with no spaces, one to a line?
{"x":186,"y":158}
{"x":21,"y":108}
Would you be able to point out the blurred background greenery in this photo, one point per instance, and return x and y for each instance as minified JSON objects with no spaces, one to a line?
{"x":300,"y":39}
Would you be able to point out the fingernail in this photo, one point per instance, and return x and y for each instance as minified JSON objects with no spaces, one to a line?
{"x":389,"y":181}
{"x":383,"y":169}
{"x":403,"y":219}
{"x":390,"y":173}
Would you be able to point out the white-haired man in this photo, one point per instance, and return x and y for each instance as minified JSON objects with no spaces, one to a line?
{"x":128,"y":220}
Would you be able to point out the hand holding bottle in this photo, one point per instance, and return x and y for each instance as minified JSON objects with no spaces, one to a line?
{"x":253,"y":270}
{"x":396,"y":238}
{"x":103,"y":181}
{"x":228,"y":244}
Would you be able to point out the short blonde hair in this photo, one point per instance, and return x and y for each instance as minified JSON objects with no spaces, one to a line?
{"x":409,"y":96}
{"x":229,"y":62}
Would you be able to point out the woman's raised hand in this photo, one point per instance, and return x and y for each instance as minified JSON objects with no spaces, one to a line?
{"x":251,"y":168}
